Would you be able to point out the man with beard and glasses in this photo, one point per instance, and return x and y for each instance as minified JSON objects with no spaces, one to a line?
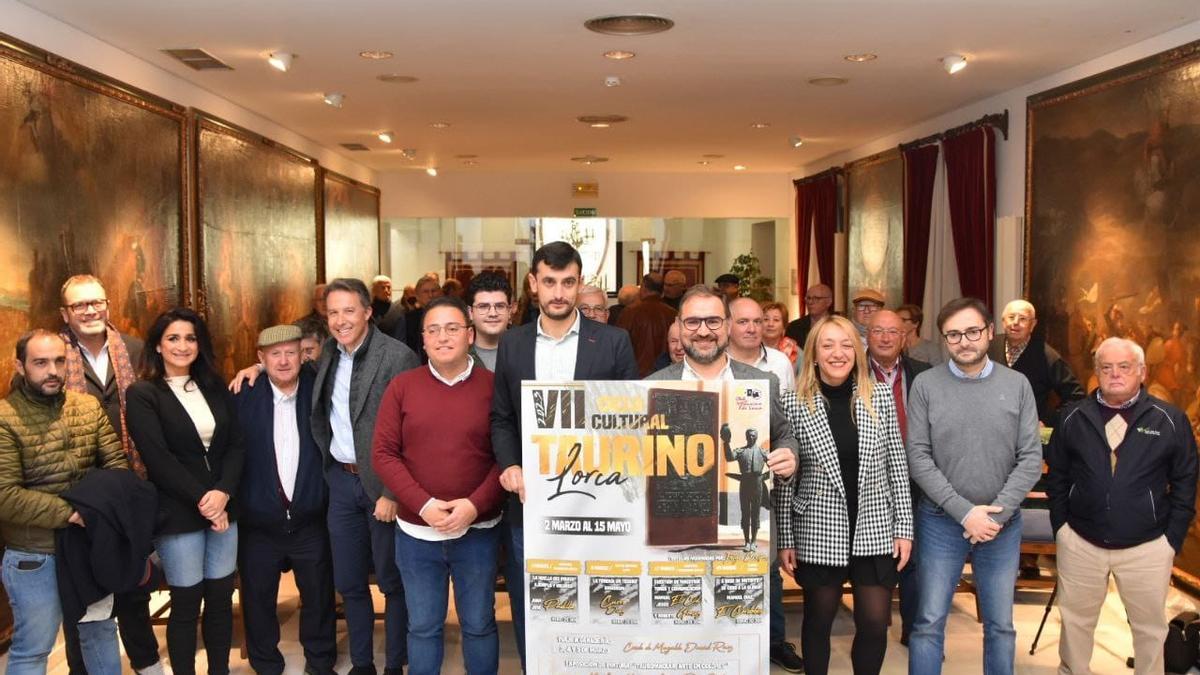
{"x":974,"y":450}
{"x":559,"y":346}
{"x":704,"y":322}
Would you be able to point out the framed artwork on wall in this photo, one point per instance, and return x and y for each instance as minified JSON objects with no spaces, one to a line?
{"x":465,"y":265}
{"x":875,"y":226}
{"x":691,"y":263}
{"x":257,"y":234}
{"x":92,"y":180}
{"x":350,"y":237}
{"x":1112,"y":224}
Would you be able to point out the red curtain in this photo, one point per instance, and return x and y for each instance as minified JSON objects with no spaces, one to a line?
{"x":971,"y":182}
{"x":920,"y":167}
{"x":816,"y":208}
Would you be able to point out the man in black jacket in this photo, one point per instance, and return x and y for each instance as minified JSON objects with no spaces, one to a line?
{"x":1047,"y":371}
{"x":560,"y":346}
{"x":283,"y":496}
{"x":1122,"y":490}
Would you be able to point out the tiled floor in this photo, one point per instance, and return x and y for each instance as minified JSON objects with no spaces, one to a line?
{"x":964,"y":645}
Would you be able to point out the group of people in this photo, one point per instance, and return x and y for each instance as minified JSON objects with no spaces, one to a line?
{"x":380,"y":442}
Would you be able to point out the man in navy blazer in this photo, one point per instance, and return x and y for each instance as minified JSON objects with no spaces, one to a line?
{"x":561,"y":345}
{"x":283,"y":496}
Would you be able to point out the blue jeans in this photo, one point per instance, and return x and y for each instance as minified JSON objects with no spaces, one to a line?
{"x":426,"y":567}
{"x":359,"y":544}
{"x":37,"y":613}
{"x":514,"y":581}
{"x":192,"y":557}
{"x":943,"y":551}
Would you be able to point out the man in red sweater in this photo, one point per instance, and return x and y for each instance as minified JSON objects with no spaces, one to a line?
{"x":433,"y":450}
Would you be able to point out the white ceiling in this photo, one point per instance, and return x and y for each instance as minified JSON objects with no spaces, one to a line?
{"x":511,"y":76}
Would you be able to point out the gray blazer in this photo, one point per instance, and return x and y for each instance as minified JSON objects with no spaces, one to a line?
{"x":378,"y":360}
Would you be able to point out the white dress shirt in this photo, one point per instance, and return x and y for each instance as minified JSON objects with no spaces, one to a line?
{"x":778,"y":364}
{"x":287,"y":438}
{"x":342,"y":445}
{"x":99,"y":362}
{"x":690,"y":375}
{"x":554,"y":359}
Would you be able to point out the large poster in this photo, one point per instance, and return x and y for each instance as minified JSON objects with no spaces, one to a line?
{"x":647,"y":541}
{"x":875,"y":201}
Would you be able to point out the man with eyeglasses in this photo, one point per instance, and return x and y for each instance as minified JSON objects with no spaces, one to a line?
{"x":102,"y":361}
{"x":974,"y":450}
{"x":818,"y":300}
{"x":447,"y":488}
{"x":1023,"y":351}
{"x":1122,"y":490}
{"x":593,"y":303}
{"x":865,"y":302}
{"x":489,"y":296}
{"x":704,"y":320}
{"x":559,"y":346}
{"x":895,"y":370}
{"x":647,"y":322}
{"x":746,"y":343}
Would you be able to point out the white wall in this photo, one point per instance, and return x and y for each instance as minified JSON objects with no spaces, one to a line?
{"x":1010,"y":154}
{"x":52,"y":35}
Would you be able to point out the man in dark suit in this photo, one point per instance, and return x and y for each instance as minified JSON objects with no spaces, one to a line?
{"x":103,"y":362}
{"x":704,"y":330}
{"x":561,"y":345}
{"x":283,"y":500}
{"x":892,"y":368}
{"x":818,"y":300}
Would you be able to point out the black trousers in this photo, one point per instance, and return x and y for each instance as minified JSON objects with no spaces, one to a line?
{"x":132,"y":610}
{"x":262,"y":557}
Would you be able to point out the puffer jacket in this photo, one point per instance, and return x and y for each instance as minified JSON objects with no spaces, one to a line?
{"x":47,"y":446}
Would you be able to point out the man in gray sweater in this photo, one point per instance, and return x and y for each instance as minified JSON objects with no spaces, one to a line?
{"x":974,"y":450}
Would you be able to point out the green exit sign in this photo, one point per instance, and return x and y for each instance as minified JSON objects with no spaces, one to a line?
{"x":585,"y":212}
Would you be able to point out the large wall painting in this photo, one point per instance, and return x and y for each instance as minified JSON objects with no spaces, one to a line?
{"x":351,"y":235}
{"x":258,"y":235}
{"x":1113,"y":222}
{"x":875,"y":219}
{"x":92,"y":180}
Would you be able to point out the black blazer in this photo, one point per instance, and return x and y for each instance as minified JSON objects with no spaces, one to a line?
{"x":174,"y":455}
{"x":604,"y":353}
{"x":911,"y":368}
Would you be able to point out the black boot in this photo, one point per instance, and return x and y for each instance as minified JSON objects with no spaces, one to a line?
{"x":217,"y":623}
{"x":181,"y":627}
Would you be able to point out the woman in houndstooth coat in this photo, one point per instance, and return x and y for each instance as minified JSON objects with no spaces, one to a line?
{"x":849,"y":514}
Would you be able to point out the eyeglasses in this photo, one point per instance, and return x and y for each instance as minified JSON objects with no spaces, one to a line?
{"x":1124,"y":368}
{"x":1018,"y":319}
{"x":816,"y":298}
{"x":891,"y":332}
{"x":82,"y":307}
{"x":867,"y":307}
{"x":487,"y":308}
{"x":451,"y":329}
{"x":589,"y":310}
{"x":972,"y":334}
{"x":693,"y":323}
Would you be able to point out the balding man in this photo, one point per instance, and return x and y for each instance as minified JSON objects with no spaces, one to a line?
{"x":818,"y":300}
{"x":674,"y":284}
{"x":647,"y":322}
{"x":1041,"y":364}
{"x":1122,"y":490}
{"x":746,"y":343}
{"x":627,"y":297}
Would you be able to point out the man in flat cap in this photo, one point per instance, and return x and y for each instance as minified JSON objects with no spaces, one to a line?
{"x":865,"y":302}
{"x":283,"y":499}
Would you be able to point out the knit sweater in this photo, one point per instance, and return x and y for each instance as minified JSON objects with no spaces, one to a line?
{"x":973,"y":441}
{"x":434,"y":441}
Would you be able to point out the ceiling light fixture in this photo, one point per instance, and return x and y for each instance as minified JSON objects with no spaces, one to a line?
{"x":281,"y":61}
{"x":619,"y":54}
{"x":409,"y":153}
{"x":612,"y":81}
{"x":602,"y":121}
{"x":860,"y":58}
{"x":335,"y":98}
{"x":466,"y":156}
{"x":385,"y":136}
{"x":827,"y":81}
{"x":375,"y":54}
{"x":795,"y":141}
{"x":954,"y":63}
{"x":589,"y":159}
{"x":712,"y":156}
{"x":396,"y":78}
{"x":432,"y":171}
{"x":760,"y":125}
{"x":629,"y":24}
{"x":440,"y":125}
{"x":739,"y":167}
{"x":470,"y":162}
{"x":704,"y":162}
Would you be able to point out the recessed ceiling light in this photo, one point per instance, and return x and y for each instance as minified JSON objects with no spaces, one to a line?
{"x":281,"y":61}
{"x":828,"y":81}
{"x":860,"y":58}
{"x":466,"y":156}
{"x":440,"y":125}
{"x":954,"y":63}
{"x":385,"y":136}
{"x":629,"y":24}
{"x":335,"y":99}
{"x":619,"y":54}
{"x":795,"y":141}
{"x":470,"y":162}
{"x":739,"y":167}
{"x":409,"y":153}
{"x":432,"y":171}
{"x":375,"y":54}
{"x":704,"y":162}
{"x":396,"y":78}
{"x":712,"y":156}
{"x":602,"y":121}
{"x":760,"y":125}
{"x":589,"y":159}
